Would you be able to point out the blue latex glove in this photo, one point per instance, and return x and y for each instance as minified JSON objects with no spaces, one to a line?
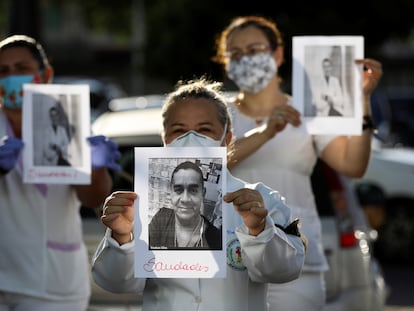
{"x":9,"y":152}
{"x":105,"y":152}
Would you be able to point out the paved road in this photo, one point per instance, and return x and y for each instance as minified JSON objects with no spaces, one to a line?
{"x":399,"y":278}
{"x":112,"y":308}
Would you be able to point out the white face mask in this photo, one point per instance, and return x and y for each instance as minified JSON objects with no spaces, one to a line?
{"x":252,"y":73}
{"x":194,"y":139}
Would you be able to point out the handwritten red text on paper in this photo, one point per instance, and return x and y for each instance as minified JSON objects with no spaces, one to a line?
{"x":155,"y":266}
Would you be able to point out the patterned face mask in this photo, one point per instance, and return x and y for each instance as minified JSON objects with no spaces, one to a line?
{"x":252,"y":73}
{"x":11,"y":89}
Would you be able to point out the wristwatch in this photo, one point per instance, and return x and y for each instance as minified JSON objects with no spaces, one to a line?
{"x":368,"y":123}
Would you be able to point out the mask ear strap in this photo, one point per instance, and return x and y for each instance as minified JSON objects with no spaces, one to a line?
{"x":47,"y":74}
{"x":223,"y":137}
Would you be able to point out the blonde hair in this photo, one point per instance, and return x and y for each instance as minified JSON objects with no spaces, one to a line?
{"x":199,"y":88}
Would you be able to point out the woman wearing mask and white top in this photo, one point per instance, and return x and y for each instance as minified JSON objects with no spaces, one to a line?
{"x":41,"y":242}
{"x":258,"y":222}
{"x":272,"y":146}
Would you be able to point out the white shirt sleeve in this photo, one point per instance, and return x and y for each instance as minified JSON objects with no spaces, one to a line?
{"x":113,"y":266}
{"x":321,"y":141}
{"x":273,"y":256}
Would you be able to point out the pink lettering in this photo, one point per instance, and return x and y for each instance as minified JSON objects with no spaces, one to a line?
{"x":157,"y":266}
{"x":34,"y":174}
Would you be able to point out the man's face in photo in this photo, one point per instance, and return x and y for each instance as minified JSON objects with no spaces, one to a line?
{"x":327,"y":67}
{"x":54,"y":117}
{"x":187,"y":195}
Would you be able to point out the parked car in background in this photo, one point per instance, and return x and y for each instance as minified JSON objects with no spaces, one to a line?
{"x":355,"y":280}
{"x":102,"y":91}
{"x":131,"y":121}
{"x":391,"y":168}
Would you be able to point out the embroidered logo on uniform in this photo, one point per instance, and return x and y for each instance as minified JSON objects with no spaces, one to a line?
{"x":234,"y":258}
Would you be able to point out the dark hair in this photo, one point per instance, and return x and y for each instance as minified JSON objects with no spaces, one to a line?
{"x":29,"y":43}
{"x":370,"y":194}
{"x":53,"y":109}
{"x":267,"y":26}
{"x":188,"y":165}
{"x":327,"y":60}
{"x":199,"y":88}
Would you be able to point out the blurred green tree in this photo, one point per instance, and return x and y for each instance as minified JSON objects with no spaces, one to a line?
{"x":179,"y":34}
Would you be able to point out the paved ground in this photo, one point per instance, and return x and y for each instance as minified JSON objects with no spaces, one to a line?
{"x":111,"y":308}
{"x":400,"y":279}
{"x":138,"y":308}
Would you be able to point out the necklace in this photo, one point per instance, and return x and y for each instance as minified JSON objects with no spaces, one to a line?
{"x":258,"y":115}
{"x":259,"y":118}
{"x":198,"y":242}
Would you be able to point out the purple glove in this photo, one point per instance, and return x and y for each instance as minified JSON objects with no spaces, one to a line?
{"x":9,"y":152}
{"x":104,"y":152}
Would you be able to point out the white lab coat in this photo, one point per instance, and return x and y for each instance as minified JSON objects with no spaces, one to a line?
{"x":272,"y":256}
{"x":332,"y":88}
{"x":42,"y":253}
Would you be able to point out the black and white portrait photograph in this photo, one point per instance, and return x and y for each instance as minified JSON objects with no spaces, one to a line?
{"x":181,"y":210}
{"x":327,"y":83}
{"x":55,"y":132}
{"x":184,"y":207}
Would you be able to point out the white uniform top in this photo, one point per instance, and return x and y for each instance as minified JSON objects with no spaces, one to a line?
{"x":272,"y":256}
{"x":42,"y":253}
{"x":52,"y":137}
{"x":332,"y":88}
{"x":285,"y":163}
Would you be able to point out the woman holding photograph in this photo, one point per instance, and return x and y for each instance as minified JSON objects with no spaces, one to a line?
{"x":263,"y":242}
{"x":43,"y":261}
{"x":271,"y":145}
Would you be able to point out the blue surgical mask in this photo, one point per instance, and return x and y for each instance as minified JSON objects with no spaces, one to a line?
{"x":11,"y":90}
{"x":194,"y":139}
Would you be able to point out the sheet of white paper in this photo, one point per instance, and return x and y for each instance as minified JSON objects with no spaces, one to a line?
{"x":68,"y":106}
{"x":315,"y":94}
{"x":153,"y":169}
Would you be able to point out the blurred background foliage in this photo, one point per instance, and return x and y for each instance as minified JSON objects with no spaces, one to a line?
{"x":148,"y":45}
